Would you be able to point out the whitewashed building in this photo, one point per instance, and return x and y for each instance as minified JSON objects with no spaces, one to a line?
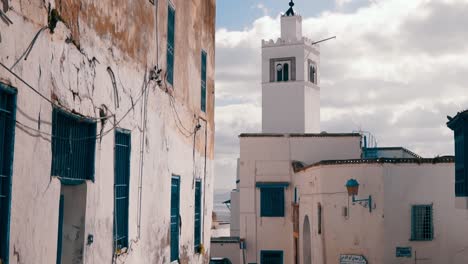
{"x":106,"y":131}
{"x":292,"y":204}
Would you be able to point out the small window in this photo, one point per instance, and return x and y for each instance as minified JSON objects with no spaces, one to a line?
{"x":121,"y":187}
{"x":312,"y":72}
{"x":422,"y":228}
{"x":296,"y":197}
{"x":271,"y":257}
{"x":170,"y":44}
{"x":319,"y":219}
{"x":73,"y":147}
{"x":203,"y":81}
{"x":272,"y":201}
{"x":197,"y":224}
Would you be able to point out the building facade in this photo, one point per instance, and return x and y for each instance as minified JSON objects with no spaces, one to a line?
{"x":106,"y":131}
{"x":292,"y":203}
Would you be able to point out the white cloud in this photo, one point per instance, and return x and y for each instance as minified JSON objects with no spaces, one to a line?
{"x":397,"y":68}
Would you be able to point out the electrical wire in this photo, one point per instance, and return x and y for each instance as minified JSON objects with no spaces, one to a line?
{"x":29,"y":48}
{"x":47,"y":99}
{"x":100,"y":135}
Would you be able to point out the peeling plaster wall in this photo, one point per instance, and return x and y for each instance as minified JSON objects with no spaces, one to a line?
{"x":70,"y":67}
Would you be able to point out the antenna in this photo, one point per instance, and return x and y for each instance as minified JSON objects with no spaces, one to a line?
{"x":323,"y":40}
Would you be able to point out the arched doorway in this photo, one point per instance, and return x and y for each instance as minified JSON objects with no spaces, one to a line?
{"x":306,"y":244}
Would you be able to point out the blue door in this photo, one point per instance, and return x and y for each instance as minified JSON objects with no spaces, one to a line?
{"x":7,"y":138}
{"x":271,"y":257}
{"x":175,"y":221}
{"x":60,"y":231}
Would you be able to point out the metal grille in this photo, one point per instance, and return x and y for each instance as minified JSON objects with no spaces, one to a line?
{"x":121,"y":187}
{"x":272,"y":201}
{"x":197,"y":224}
{"x":175,"y":221}
{"x":271,"y":257}
{"x":170,"y":44}
{"x":7,"y":128}
{"x":73,"y":147}
{"x":203,"y":81}
{"x":422,"y":223}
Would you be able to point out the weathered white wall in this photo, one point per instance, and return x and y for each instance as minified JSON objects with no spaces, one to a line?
{"x":230,"y":251}
{"x":75,"y":76}
{"x":394,"y":189}
{"x":268,"y":159}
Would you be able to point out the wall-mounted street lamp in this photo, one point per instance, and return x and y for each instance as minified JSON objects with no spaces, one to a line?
{"x":352,"y":186}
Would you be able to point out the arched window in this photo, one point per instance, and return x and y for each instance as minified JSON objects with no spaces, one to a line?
{"x":279,"y":72}
{"x":285,"y":72}
{"x":312,"y":73}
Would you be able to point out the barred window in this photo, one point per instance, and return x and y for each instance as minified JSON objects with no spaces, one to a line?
{"x":422,"y":228}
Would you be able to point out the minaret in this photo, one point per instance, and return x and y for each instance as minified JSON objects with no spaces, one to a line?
{"x":290,"y":80}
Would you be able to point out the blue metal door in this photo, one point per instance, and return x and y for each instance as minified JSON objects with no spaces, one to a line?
{"x":60,"y":231}
{"x":175,"y":221}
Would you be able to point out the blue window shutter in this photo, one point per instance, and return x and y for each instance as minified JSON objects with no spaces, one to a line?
{"x":122,"y":153}
{"x":73,"y":147}
{"x":170,"y":44}
{"x":203,"y":81}
{"x":60,"y":231}
{"x":461,"y":184}
{"x":271,"y":257}
{"x":197,"y":224}
{"x":422,"y":226}
{"x":272,"y":201}
{"x":7,"y":138}
{"x":175,"y":211}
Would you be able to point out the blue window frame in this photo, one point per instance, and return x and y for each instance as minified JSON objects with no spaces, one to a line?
{"x":122,"y":153}
{"x":422,"y":226}
{"x":272,"y":201}
{"x":271,"y":257}
{"x":203,"y":81}
{"x":7,"y":138}
{"x":73,"y":147}
{"x":197,"y":224}
{"x":175,"y":218}
{"x":170,"y":43}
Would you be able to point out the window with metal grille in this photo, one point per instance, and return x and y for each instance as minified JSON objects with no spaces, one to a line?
{"x":461,"y":181}
{"x":73,"y":147}
{"x":198,"y":200}
{"x":203,"y":81}
{"x":7,"y":134}
{"x":272,"y":201}
{"x":122,"y":153}
{"x":170,"y":43}
{"x":271,"y":257}
{"x":175,"y":220}
{"x":422,"y":228}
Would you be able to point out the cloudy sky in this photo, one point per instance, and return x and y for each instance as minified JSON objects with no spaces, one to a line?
{"x":396,"y":69}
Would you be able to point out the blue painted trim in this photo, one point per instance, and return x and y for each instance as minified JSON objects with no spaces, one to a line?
{"x":271,"y":184}
{"x":13,"y":92}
